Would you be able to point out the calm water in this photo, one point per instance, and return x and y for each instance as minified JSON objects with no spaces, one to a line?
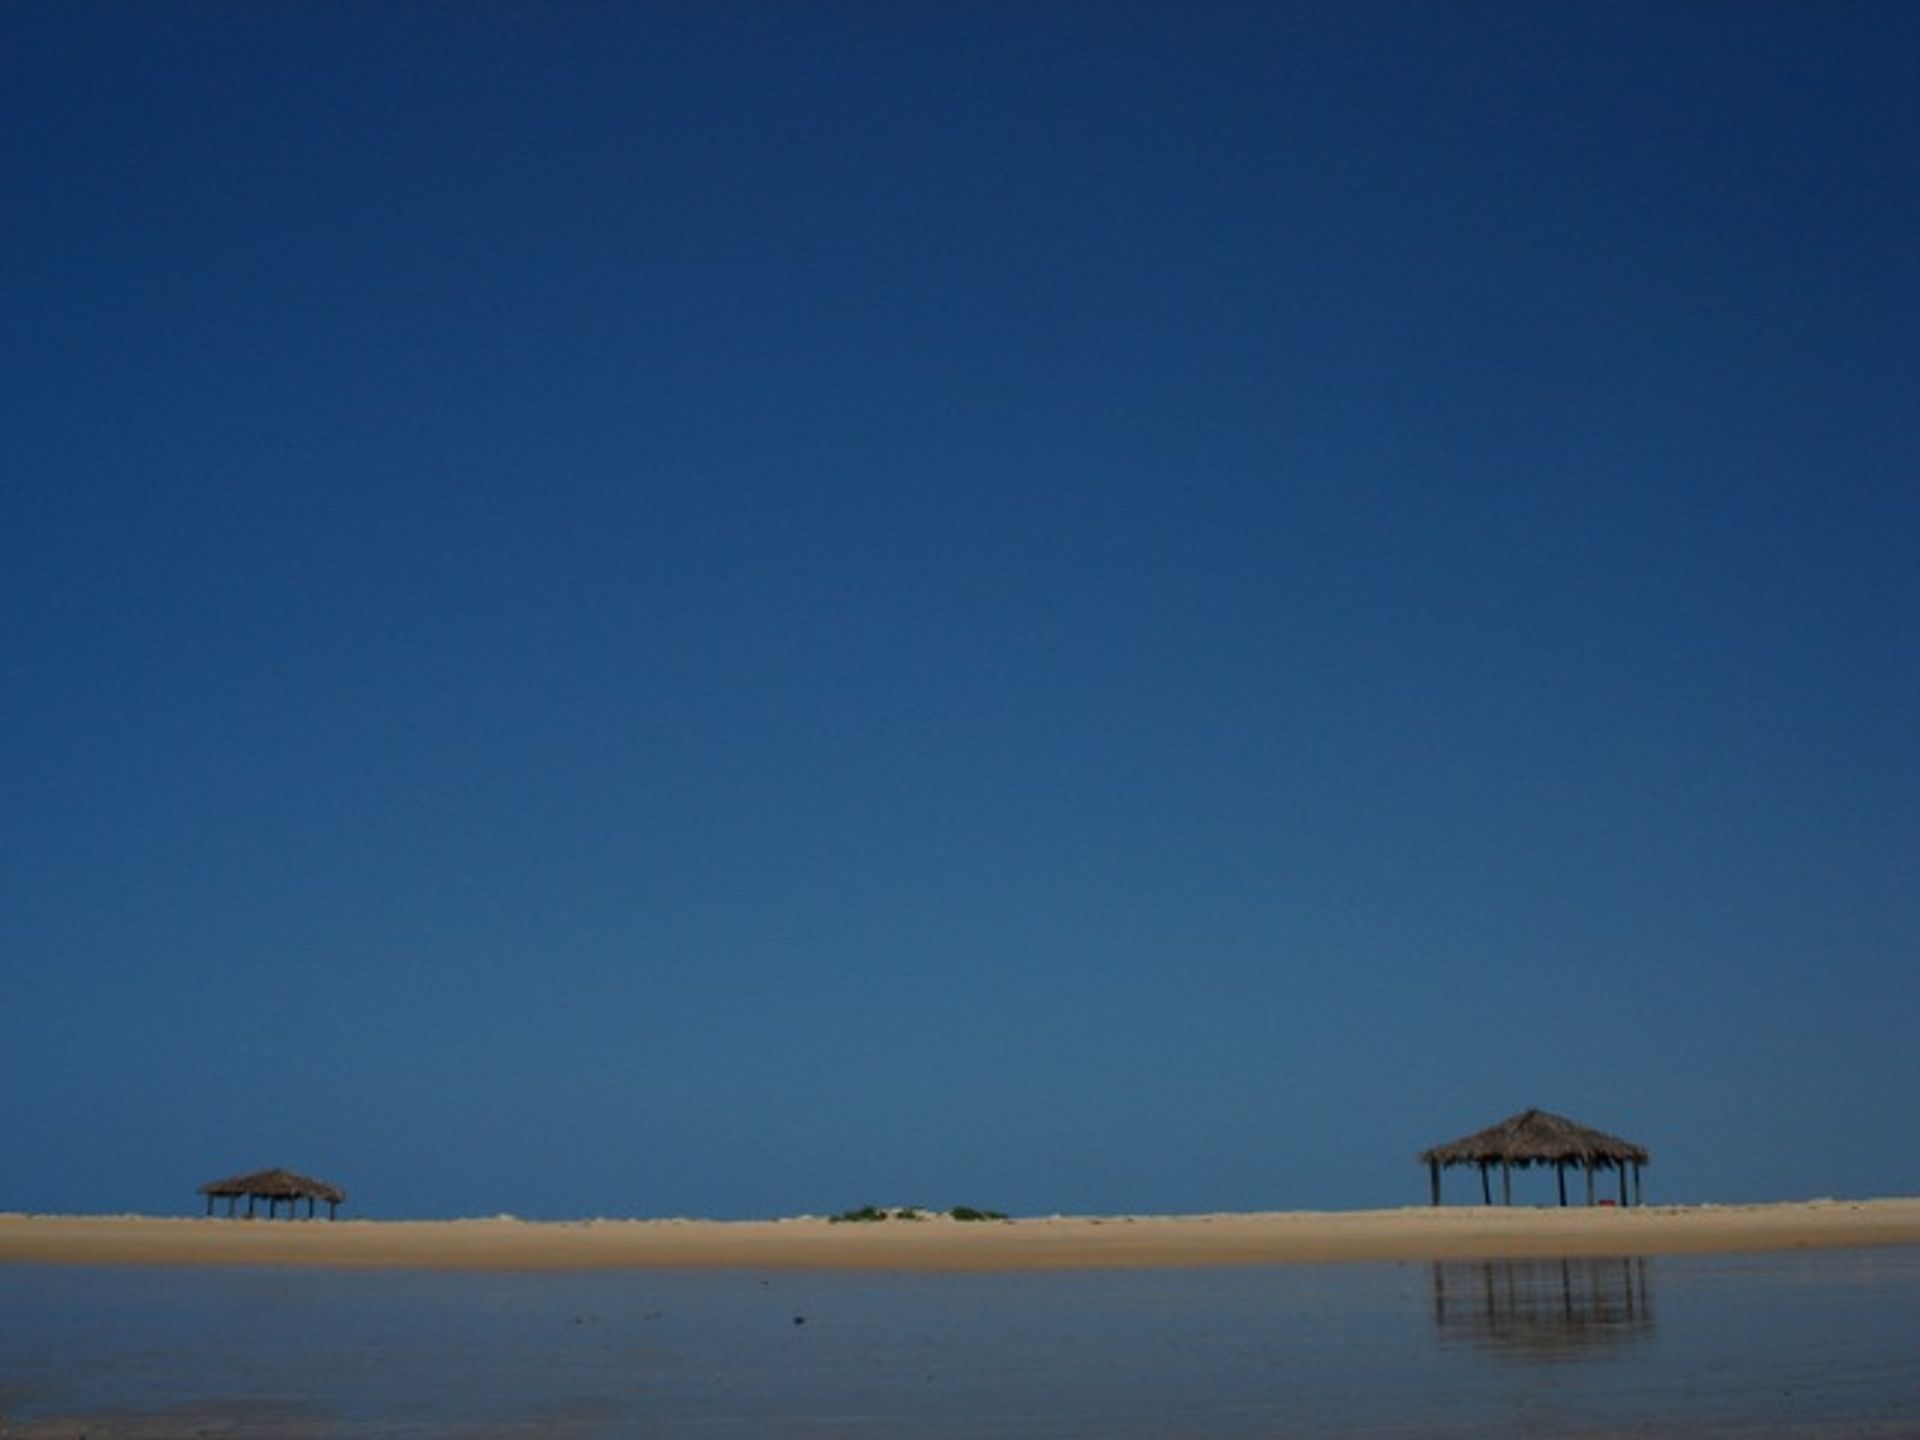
{"x":1799,"y":1344}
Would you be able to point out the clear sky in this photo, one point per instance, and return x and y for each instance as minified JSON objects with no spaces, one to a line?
{"x":741,"y":609}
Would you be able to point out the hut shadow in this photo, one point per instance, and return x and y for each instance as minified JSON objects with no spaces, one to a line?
{"x":1544,"y":1310}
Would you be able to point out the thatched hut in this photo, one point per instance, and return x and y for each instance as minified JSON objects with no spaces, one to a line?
{"x":1535,"y":1137}
{"x":274,"y":1186}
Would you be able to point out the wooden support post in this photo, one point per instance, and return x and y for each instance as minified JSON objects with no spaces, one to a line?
{"x":209,"y":1207}
{"x":1638,"y":1197}
{"x":1623,"y":1184}
{"x":1486,"y":1189}
{"x":1560,"y":1170}
{"x":1589,"y":1184}
{"x":1433,"y":1179}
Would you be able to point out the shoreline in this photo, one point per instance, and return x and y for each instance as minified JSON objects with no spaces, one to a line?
{"x":1051,"y":1243}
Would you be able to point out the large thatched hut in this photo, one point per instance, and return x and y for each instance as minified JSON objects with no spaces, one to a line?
{"x":274,"y":1186}
{"x":1535,"y":1137}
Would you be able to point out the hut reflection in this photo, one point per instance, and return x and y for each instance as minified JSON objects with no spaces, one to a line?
{"x":1544,"y":1309}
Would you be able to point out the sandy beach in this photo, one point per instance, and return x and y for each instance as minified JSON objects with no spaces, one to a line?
{"x":1050,"y":1243}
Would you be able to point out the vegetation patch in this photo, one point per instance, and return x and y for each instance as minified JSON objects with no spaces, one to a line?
{"x":873,"y":1214}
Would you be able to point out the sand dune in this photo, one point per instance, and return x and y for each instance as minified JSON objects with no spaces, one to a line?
{"x":1050,"y":1243}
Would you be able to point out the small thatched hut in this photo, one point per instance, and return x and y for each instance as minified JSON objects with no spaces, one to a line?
{"x":1535,"y":1137}
{"x":273,"y":1186}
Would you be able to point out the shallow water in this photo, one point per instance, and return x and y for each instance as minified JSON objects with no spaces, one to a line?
{"x":1808,"y":1343}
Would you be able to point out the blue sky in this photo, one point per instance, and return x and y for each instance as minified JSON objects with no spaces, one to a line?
{"x":732,"y":610}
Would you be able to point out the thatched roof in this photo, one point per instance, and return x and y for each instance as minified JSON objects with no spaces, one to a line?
{"x":1535,"y":1137}
{"x":276,"y":1185}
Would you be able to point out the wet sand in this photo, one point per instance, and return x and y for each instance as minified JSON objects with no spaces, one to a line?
{"x":1052,"y":1243}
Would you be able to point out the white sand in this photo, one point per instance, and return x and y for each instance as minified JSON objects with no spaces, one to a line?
{"x":1464,"y":1232}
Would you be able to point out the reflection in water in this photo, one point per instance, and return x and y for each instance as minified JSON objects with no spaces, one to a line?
{"x":1806,"y":1345}
{"x":1543,"y":1309}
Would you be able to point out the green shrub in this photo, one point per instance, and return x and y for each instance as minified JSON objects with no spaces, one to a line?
{"x":967,"y":1212}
